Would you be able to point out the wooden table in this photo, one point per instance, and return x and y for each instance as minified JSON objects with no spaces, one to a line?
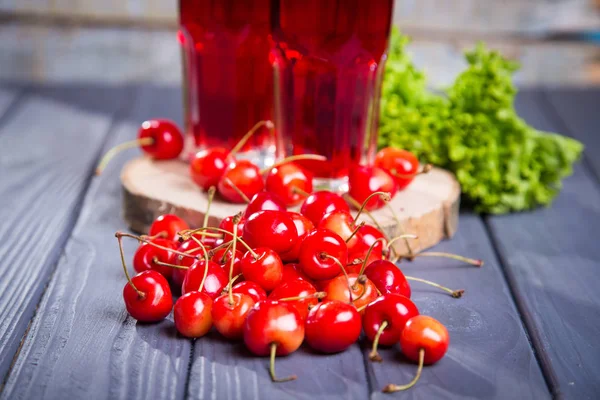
{"x":527,"y":327}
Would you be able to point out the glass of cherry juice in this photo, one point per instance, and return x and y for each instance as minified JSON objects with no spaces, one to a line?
{"x":228,"y":75}
{"x":330,"y":57}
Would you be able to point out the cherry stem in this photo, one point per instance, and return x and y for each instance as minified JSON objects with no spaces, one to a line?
{"x":325,"y":255}
{"x":357,"y":205}
{"x":242,"y":142}
{"x":272,"y":367}
{"x":399,"y":223}
{"x":355,"y":231}
{"x":156,"y":261}
{"x":296,"y":157}
{"x":195,"y":239}
{"x":374,"y":355}
{"x":141,"y":239}
{"x":359,"y":309}
{"x":224,"y":256}
{"x":364,"y":264}
{"x":296,"y":189}
{"x":426,"y":168}
{"x":236,"y":221}
{"x":230,"y":283}
{"x":224,"y":244}
{"x":385,"y":196}
{"x":159,"y":235}
{"x":477,"y":263}
{"x":457,"y":294}
{"x":237,"y":190}
{"x":139,"y":292}
{"x":211,"y":195}
{"x":404,"y":236}
{"x":147,"y":141}
{"x":316,"y":295}
{"x":397,"y":388}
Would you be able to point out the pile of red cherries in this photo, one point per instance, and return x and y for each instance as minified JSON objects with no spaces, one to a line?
{"x":276,"y":278}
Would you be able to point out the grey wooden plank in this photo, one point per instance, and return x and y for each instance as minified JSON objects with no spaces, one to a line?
{"x":82,"y":343}
{"x":489,"y":355}
{"x":6,"y":99}
{"x":48,"y":151}
{"x":551,"y":259}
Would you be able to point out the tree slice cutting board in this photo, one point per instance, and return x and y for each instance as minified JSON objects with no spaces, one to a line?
{"x":428,"y":207}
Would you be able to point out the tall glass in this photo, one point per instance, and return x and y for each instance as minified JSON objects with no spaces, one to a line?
{"x":228,"y":75}
{"x":328,"y":73}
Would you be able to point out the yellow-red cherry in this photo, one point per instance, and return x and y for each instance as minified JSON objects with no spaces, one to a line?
{"x":427,"y":333}
{"x":192,"y":314}
{"x":229,"y":314}
{"x":363,"y":290}
{"x":393,"y":309}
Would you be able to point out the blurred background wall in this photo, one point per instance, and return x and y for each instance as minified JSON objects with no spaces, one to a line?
{"x":557,"y":41}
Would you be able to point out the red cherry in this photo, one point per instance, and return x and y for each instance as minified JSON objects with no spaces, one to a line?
{"x":167,"y":140}
{"x":207,"y":166}
{"x":273,"y":229}
{"x":229,"y":314}
{"x":178,"y":275}
{"x":251,"y":289}
{"x":292,"y":272}
{"x":342,"y":223}
{"x":401,"y":164}
{"x":364,"y":181}
{"x":367,"y":235}
{"x":192,"y":314}
{"x":216,"y":279}
{"x":362,"y":292}
{"x":148,"y":297}
{"x":316,"y":253}
{"x":168,"y":225}
{"x":392,"y":309}
{"x":262,"y":201}
{"x":290,"y":182}
{"x":245,"y":176}
{"x":264,"y":267}
{"x":423,"y":332}
{"x":320,"y":203}
{"x":227,"y":224}
{"x":146,"y":255}
{"x":387,"y":278}
{"x":303,"y":226}
{"x":332,"y":326}
{"x":223,"y":258}
{"x":297,"y":288}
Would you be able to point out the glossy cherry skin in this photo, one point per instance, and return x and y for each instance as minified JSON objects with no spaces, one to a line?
{"x":178,"y":275}
{"x":193,"y":314}
{"x":364,"y":181}
{"x":292,"y":272}
{"x":227,"y":224}
{"x":273,"y":229}
{"x":320,"y":203}
{"x":207,"y":166}
{"x":155,"y":304}
{"x":393,"y":308}
{"x":229,"y":317}
{"x":398,"y":162}
{"x":303,"y":227}
{"x":388,"y":278}
{"x":266,"y":270}
{"x":423,"y":332}
{"x":264,"y":201}
{"x":216,"y":279}
{"x":223,"y":258}
{"x":251,"y":289}
{"x":367,"y":235}
{"x":312,"y":260}
{"x":246,"y":176}
{"x":362,"y":293}
{"x":284,"y":181}
{"x":168,"y":225}
{"x":272,"y":321}
{"x":145,"y":255}
{"x":342,"y":223}
{"x":296,"y":288}
{"x":168,"y":140}
{"x":332,"y":326}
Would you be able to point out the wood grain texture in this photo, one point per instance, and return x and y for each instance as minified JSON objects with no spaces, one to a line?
{"x":48,"y":151}
{"x":82,"y":343}
{"x":551,"y":258}
{"x":489,"y":355}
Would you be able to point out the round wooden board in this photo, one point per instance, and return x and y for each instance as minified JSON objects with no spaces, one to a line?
{"x":428,"y":207}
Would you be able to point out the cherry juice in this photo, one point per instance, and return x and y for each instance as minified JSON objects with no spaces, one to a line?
{"x":330,"y":60}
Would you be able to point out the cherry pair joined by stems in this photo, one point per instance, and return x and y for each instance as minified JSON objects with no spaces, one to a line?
{"x":161,"y":139}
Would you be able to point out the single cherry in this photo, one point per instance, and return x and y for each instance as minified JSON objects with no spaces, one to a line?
{"x":150,"y":257}
{"x":364,"y":181}
{"x":192,"y":314}
{"x":297,"y":288}
{"x":215,"y":281}
{"x":320,"y":203}
{"x":290,"y":182}
{"x":251,"y":289}
{"x":262,"y":201}
{"x":401,"y":164}
{"x":387,"y":278}
{"x":342,"y":223}
{"x":227,"y":224}
{"x":273,"y":229}
{"x":189,"y":246}
{"x":332,"y":326}
{"x":367,"y":236}
{"x":207,"y":166}
{"x":303,"y":227}
{"x":262,"y":266}
{"x":168,"y":226}
{"x":362,"y":289}
{"x":384,"y":320}
{"x":319,"y":252}
{"x":273,"y":328}
{"x":229,"y":314}
{"x":148,"y":297}
{"x":240,"y":181}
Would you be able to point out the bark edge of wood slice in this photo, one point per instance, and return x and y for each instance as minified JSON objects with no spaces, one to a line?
{"x":428,"y":207}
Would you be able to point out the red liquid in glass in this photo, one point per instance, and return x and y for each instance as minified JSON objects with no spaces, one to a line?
{"x":331,"y":62}
{"x":228,"y":78}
